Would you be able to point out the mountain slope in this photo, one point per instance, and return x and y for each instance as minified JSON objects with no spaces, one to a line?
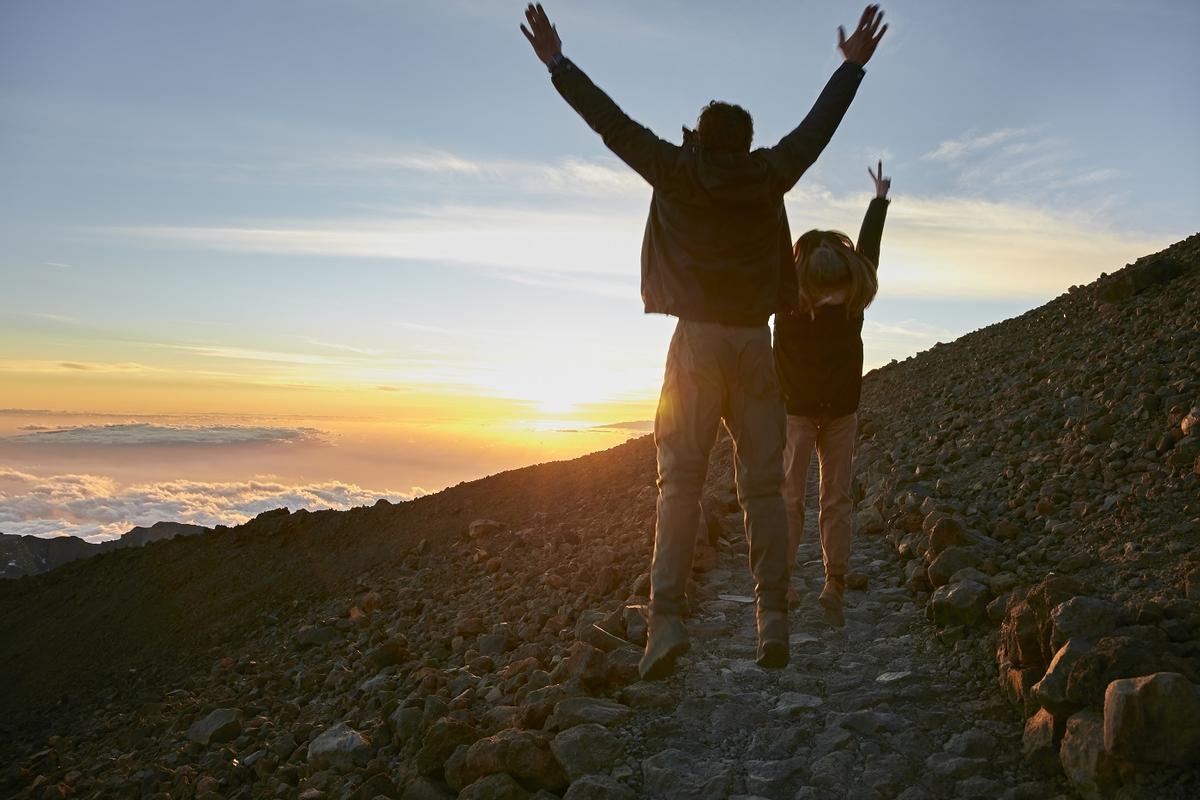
{"x":31,"y":555}
{"x":402,"y":650}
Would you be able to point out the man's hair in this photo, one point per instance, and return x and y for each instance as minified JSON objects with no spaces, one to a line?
{"x":725,"y":127}
{"x":828,"y":260}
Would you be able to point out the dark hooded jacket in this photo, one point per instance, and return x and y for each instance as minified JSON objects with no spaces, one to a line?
{"x":717,"y":246}
{"x":819,"y":355}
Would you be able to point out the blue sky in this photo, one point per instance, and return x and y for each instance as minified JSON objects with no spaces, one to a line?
{"x":383,"y":208}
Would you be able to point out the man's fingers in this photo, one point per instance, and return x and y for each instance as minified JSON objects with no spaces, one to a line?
{"x":866,"y":16}
{"x":882,"y":31}
{"x":841,"y":36}
{"x":881,"y":167}
{"x":528,"y":35}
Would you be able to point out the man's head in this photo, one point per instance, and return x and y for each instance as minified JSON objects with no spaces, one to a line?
{"x":725,"y":127}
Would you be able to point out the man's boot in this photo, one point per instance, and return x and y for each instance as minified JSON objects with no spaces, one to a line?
{"x":831,"y":600}
{"x":666,"y":640}
{"x":772,"y":639}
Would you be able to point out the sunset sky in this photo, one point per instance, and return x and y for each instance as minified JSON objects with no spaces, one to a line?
{"x":312,"y":253}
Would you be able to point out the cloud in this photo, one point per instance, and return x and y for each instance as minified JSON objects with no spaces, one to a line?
{"x":362,"y":351}
{"x":46,"y":366}
{"x":958,"y":246}
{"x":95,"y":507}
{"x":1023,"y":163}
{"x":144,"y":433}
{"x":955,"y":150}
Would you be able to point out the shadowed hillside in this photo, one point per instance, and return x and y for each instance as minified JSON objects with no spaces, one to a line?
{"x":30,"y":555}
{"x":1030,"y":489}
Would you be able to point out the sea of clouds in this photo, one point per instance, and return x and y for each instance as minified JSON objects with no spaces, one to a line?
{"x":96,"y":507}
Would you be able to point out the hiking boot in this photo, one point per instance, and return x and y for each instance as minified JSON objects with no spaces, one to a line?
{"x":666,"y":640}
{"x":831,"y":600}
{"x":772,"y":639}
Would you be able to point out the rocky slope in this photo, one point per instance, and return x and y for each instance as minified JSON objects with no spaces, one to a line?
{"x":1040,"y":481}
{"x":31,"y":555}
{"x":1028,"y":524}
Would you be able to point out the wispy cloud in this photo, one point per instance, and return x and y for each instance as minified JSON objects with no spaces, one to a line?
{"x":49,"y":366}
{"x":1024,"y":164}
{"x":144,"y":433}
{"x":971,"y":247}
{"x":96,"y":507}
{"x":954,"y":151}
{"x":362,"y":351}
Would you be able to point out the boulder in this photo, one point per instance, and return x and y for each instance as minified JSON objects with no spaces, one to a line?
{"x":441,"y":740}
{"x":484,"y":527}
{"x":598,"y":787}
{"x":676,"y":775}
{"x":963,"y":603}
{"x":1025,"y":632}
{"x":950,"y":561}
{"x":1153,"y":718}
{"x":1119,"y":656}
{"x":946,"y":532}
{"x":1051,"y":691}
{"x":221,"y":725}
{"x":775,"y":778}
{"x":1087,"y":766}
{"x":315,"y":636}
{"x":583,"y":710}
{"x":868,"y":521}
{"x":1082,"y":616}
{"x":1040,"y":742}
{"x":585,"y":749}
{"x":340,"y":748}
{"x":494,"y":787}
{"x":525,"y":755}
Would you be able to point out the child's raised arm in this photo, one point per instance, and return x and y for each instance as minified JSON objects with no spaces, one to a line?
{"x":871,"y":233}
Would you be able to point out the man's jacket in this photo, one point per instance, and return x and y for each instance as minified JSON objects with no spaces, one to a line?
{"x":819,"y":356}
{"x":717,"y":246}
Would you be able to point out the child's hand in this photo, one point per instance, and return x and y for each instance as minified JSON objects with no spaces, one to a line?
{"x":882,"y":184}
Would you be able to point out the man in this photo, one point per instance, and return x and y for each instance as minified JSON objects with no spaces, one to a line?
{"x":717,"y":255}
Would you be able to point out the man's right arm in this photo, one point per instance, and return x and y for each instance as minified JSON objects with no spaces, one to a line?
{"x":636,"y":145}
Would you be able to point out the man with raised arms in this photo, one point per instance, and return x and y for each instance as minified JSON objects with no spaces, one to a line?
{"x":717,"y":255}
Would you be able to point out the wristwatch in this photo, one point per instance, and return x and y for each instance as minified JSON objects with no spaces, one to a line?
{"x":556,"y":61}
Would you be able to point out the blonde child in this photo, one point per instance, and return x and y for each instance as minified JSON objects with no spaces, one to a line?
{"x":819,"y":358}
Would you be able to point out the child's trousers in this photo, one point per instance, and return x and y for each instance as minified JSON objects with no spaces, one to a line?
{"x":834,"y":439}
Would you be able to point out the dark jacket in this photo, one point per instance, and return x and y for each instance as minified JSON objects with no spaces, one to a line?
{"x":717,"y":246}
{"x":819,"y":357}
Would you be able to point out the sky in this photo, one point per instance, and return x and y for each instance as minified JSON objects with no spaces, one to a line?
{"x":312,"y":253}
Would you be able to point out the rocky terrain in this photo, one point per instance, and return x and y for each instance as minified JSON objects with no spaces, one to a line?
{"x":1022,"y":621}
{"x":31,"y":555}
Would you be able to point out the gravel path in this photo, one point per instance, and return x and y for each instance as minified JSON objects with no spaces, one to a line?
{"x":879,"y":709}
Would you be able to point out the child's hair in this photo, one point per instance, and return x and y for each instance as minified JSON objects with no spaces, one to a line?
{"x":827,"y":260}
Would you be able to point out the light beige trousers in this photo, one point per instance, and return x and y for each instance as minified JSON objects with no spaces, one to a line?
{"x":719,"y":374}
{"x":834,"y":440}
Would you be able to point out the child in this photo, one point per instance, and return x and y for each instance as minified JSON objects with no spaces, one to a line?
{"x":819,"y":357}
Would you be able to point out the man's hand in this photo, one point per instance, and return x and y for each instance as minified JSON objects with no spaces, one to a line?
{"x":882,"y":184}
{"x":862,"y":43}
{"x":544,"y":38}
